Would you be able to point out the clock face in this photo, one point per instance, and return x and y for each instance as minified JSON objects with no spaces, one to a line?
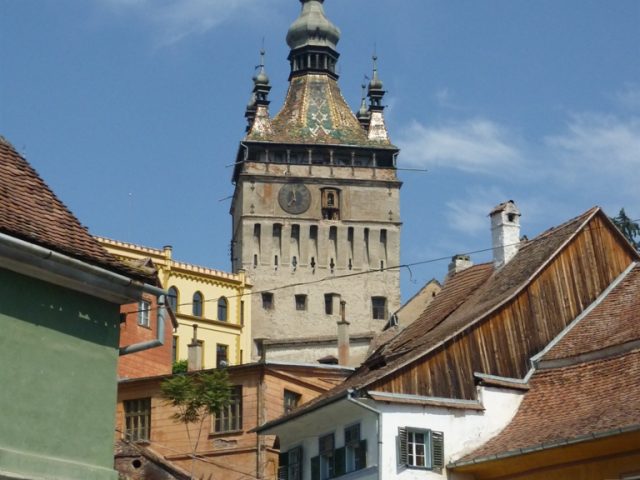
{"x":294,"y":198}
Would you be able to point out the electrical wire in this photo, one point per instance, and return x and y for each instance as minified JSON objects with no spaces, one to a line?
{"x":357,"y":274}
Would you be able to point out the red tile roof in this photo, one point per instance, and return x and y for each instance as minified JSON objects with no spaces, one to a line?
{"x":30,"y":211}
{"x":572,"y":402}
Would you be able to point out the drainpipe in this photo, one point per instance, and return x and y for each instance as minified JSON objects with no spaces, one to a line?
{"x":378,"y":427}
{"x":159,"y":341}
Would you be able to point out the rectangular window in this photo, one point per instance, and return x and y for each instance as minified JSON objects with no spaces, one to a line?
{"x":222,"y":355}
{"x":290,"y":467}
{"x":421,"y":448}
{"x":229,"y":419}
{"x":291,"y":401}
{"x":295,"y":232}
{"x":144,"y":309}
{"x":379,"y":308}
{"x":301,"y":302}
{"x":328,"y":303}
{"x":137,"y":419}
{"x":326,"y":446}
{"x":356,"y":449}
{"x":313,"y":232}
{"x":174,"y":349}
{"x":267,"y":300}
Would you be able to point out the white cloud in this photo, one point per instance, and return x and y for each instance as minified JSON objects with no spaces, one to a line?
{"x":601,"y":142}
{"x":475,"y":146}
{"x":176,"y":19}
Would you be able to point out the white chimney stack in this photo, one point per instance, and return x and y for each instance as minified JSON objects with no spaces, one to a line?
{"x":459,"y":263}
{"x":505,"y":232}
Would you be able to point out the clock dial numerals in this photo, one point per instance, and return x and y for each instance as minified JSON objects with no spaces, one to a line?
{"x":294,"y":198}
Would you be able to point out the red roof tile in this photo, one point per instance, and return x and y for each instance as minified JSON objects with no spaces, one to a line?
{"x":571,"y":402}
{"x":30,"y":211}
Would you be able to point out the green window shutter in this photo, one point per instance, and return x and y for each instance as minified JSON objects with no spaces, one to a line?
{"x":361,"y":455}
{"x":283,"y":466}
{"x":315,"y":468}
{"x":339,"y":462}
{"x":402,"y":446}
{"x":437,"y":450}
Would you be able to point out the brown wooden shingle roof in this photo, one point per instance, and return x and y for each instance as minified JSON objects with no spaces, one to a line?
{"x":30,"y":211}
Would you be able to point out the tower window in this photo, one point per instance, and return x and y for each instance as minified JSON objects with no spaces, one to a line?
{"x":267,"y":300}
{"x":301,"y":302}
{"x":379,"y":308}
{"x":313,"y":232}
{"x":330,"y":204}
{"x":328,"y":303}
{"x":277,"y":229}
{"x":295,"y":232}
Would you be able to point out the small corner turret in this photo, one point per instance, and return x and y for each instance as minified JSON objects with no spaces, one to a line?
{"x":257,"y":112}
{"x":376,"y":128}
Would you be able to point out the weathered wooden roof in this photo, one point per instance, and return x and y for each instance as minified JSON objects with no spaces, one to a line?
{"x":30,"y":211}
{"x":315,"y":112}
{"x":598,"y":393}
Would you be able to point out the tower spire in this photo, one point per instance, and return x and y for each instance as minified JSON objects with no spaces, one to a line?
{"x":363,"y":113}
{"x":377,"y":129}
{"x":257,"y":113}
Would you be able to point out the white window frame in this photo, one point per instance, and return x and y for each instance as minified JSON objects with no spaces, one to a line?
{"x":144,"y":313}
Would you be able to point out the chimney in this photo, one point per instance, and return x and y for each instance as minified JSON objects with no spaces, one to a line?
{"x":459,"y":263}
{"x":505,"y":233}
{"x":343,"y":336}
{"x":194,"y":362}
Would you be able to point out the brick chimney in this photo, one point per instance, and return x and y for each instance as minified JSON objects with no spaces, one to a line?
{"x":194,"y":362}
{"x":505,"y":232}
{"x":343,"y":336}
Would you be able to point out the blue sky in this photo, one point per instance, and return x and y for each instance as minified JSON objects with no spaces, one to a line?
{"x":131,"y":110}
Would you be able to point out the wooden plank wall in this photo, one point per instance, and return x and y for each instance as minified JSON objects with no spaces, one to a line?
{"x":504,"y":342}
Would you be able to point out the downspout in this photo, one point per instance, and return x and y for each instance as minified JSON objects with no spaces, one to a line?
{"x":378,"y":427}
{"x":149,"y":344}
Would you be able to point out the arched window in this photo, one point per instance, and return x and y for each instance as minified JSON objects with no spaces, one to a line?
{"x":172,"y":299}
{"x":197,"y":305}
{"x":222,"y":309}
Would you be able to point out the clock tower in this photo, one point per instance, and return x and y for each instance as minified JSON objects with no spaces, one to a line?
{"x":316,"y":207}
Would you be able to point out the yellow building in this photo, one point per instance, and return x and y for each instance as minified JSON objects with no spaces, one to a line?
{"x":217,"y":302}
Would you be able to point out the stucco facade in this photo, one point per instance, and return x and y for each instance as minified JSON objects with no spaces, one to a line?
{"x":234,"y":331}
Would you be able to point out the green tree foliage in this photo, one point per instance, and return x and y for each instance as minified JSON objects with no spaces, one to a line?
{"x":629,"y":228}
{"x":180,"y":366}
{"x":195,"y":397}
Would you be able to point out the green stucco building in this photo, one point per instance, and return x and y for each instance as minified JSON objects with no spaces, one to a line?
{"x":60,"y":297}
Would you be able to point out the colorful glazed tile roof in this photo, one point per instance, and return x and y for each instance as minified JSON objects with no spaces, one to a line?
{"x":30,"y":211}
{"x":315,"y":112}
